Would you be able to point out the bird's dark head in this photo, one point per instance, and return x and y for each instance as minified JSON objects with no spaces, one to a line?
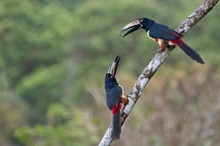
{"x":144,"y":23}
{"x":110,"y":80}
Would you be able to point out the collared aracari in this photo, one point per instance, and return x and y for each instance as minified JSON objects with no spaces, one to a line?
{"x":162,"y":34}
{"x":114,"y":96}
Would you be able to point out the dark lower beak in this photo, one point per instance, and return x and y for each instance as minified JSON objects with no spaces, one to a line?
{"x":113,"y":68}
{"x":135,"y":25}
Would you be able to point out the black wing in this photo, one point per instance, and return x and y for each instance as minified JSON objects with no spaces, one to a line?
{"x":163,"y":32}
{"x":113,"y":97}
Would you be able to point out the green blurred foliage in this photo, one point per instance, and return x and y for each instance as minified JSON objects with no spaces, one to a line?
{"x":54,"y":55}
{"x":64,"y":127}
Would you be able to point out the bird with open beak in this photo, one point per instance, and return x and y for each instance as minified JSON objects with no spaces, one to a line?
{"x":114,"y":96}
{"x":163,"y":35}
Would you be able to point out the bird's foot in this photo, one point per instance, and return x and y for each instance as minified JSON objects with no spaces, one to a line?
{"x":159,"y":51}
{"x":124,"y":99}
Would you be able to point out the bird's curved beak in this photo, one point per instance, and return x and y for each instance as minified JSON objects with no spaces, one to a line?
{"x":113,"y":68}
{"x":135,"y":25}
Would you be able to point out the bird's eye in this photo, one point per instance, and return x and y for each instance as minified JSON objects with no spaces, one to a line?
{"x":141,"y":20}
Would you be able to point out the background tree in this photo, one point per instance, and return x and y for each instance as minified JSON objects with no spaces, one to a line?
{"x":54,"y":55}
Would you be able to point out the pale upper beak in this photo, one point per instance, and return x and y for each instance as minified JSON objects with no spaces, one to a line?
{"x":113,"y":68}
{"x":135,"y":25}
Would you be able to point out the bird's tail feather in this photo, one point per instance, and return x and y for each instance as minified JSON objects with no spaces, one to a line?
{"x":116,"y":125}
{"x":191,"y":53}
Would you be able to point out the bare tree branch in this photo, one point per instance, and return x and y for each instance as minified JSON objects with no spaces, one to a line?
{"x":154,"y":64}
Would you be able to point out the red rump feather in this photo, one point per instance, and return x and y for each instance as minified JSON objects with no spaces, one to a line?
{"x":116,"y":109}
{"x":179,"y":41}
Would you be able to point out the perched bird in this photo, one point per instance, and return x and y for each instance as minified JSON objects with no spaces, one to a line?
{"x":114,"y":96}
{"x":162,"y":34}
